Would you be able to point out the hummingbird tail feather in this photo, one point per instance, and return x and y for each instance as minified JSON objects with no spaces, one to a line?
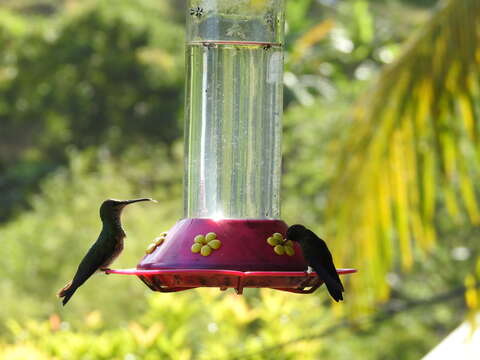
{"x":334,"y":287}
{"x":66,"y":292}
{"x":61,"y":292}
{"x":335,"y":290}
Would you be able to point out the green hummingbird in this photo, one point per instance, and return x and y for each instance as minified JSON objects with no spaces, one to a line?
{"x":105,"y":250}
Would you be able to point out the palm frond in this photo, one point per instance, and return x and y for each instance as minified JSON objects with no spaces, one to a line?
{"x":414,"y":144}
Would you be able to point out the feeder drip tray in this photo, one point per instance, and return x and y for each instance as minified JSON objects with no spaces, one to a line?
{"x":171,"y":280}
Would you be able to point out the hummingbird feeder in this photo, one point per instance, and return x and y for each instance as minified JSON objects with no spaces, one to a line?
{"x":231,"y":235}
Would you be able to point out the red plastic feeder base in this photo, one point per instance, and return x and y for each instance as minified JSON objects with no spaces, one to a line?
{"x":244,"y":247}
{"x":244,"y":259}
{"x":299,"y":282}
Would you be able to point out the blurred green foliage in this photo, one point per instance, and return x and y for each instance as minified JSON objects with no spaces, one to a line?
{"x":110,"y":74}
{"x":91,"y":102}
{"x":413,"y":147}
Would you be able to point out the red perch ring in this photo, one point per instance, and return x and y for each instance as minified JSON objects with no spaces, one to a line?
{"x":299,"y":282}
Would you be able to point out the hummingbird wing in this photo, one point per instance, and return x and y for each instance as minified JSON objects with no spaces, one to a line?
{"x":325,"y":257}
{"x":320,"y":259}
{"x":97,"y":255}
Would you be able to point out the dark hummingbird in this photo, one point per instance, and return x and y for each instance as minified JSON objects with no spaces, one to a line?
{"x":317,"y":256}
{"x":105,"y":250}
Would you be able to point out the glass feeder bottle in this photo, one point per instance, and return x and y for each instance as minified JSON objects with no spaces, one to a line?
{"x":234,"y":74}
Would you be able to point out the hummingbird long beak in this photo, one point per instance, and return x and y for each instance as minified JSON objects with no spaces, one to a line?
{"x":127,"y":202}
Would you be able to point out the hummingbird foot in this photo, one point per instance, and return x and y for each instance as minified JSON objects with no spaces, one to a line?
{"x":307,"y":272}
{"x":105,"y":270}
